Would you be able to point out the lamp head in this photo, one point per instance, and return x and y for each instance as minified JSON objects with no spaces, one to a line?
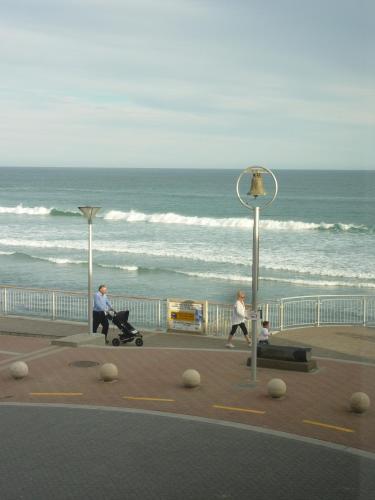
{"x":89,"y":212}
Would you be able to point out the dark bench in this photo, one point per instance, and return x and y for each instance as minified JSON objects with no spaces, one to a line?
{"x":284,"y":358}
{"x":285,"y":352}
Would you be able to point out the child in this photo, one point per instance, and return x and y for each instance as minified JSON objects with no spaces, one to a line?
{"x":264,"y":333}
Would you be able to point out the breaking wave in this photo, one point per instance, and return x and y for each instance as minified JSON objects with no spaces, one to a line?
{"x":65,"y":261}
{"x":232,"y":222}
{"x":123,"y":268}
{"x":187,"y":254}
{"x":293,"y":281}
{"x":319,"y":281}
{"x":21,"y":210}
{"x":331,"y":273}
{"x":134,"y":216}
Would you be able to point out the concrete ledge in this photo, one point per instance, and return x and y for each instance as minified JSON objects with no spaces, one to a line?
{"x":77,"y":340}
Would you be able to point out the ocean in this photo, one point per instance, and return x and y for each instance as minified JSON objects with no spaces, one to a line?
{"x":183,"y":233}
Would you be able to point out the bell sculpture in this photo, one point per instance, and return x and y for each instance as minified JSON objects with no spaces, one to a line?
{"x":257,"y":187}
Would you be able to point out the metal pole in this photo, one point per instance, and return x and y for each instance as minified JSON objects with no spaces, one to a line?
{"x":89,"y":213}
{"x":89,"y":291}
{"x":254,"y":322}
{"x":257,"y":191}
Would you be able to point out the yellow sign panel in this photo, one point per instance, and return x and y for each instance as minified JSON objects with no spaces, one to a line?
{"x":183,"y":316}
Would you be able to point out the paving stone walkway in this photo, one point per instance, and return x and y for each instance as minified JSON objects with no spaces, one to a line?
{"x":274,"y":437}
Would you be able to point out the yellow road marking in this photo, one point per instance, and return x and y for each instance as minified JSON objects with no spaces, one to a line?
{"x":233,"y":408}
{"x":56,"y":393}
{"x":147,"y":399}
{"x":327,"y":426}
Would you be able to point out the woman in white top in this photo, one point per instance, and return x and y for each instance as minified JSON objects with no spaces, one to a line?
{"x":238,"y":319}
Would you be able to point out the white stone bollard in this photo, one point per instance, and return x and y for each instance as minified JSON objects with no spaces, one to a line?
{"x":276,"y":388}
{"x":359,"y":402}
{"x":19,"y":369}
{"x":108,"y":372}
{"x":191,"y":378}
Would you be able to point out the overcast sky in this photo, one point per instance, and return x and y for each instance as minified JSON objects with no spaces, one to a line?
{"x":187,"y":83}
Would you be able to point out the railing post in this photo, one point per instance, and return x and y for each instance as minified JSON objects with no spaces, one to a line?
{"x":281,"y":315}
{"x":265,"y":318}
{"x":168,"y":317}
{"x":53,"y":305}
{"x":364,"y":310}
{"x":5,"y":301}
{"x":205,"y":317}
{"x":318,"y":312}
{"x":217,"y":319}
{"x":159,"y":314}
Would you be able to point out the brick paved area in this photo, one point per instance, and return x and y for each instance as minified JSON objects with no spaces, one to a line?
{"x":316,"y":404}
{"x":257,"y":447}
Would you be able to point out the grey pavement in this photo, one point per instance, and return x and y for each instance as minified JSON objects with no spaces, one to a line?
{"x":74,"y":453}
{"x":40,"y":327}
{"x":351,"y":343}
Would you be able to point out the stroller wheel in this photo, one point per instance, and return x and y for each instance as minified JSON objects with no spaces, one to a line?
{"x":115,"y":342}
{"x":139,"y":342}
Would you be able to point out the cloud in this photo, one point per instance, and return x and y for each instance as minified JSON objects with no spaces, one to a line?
{"x":90,"y":80}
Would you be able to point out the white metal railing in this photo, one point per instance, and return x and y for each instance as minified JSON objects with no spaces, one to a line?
{"x":317,"y":310}
{"x":72,"y":306}
{"x":291,"y":312}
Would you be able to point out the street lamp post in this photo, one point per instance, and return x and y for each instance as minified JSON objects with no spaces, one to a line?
{"x":89,"y":213}
{"x":256,"y":189}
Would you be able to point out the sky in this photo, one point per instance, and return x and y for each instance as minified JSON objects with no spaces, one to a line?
{"x":187,"y":83}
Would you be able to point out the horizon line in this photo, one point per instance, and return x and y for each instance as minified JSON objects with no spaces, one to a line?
{"x":51,"y":167}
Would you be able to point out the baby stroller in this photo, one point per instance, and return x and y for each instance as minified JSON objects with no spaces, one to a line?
{"x":128,"y":332}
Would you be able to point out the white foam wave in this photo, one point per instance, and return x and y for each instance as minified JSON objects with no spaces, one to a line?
{"x":356,"y":283}
{"x":123,"y":268}
{"x":231,"y":222}
{"x":65,"y":261}
{"x":21,"y":210}
{"x":56,"y":260}
{"x":218,"y":276}
{"x":332,"y":273}
{"x":294,"y":281}
{"x":118,"y":247}
{"x":19,"y":242}
{"x":322,"y":283}
{"x":172,"y":218}
{"x":204,"y":255}
{"x":134,"y":216}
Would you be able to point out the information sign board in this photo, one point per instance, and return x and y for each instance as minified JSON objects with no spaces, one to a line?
{"x":187,"y":315}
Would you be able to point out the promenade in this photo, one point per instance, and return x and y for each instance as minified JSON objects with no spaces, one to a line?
{"x":224,"y":439}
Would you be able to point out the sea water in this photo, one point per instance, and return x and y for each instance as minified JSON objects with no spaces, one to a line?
{"x":182,"y":233}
